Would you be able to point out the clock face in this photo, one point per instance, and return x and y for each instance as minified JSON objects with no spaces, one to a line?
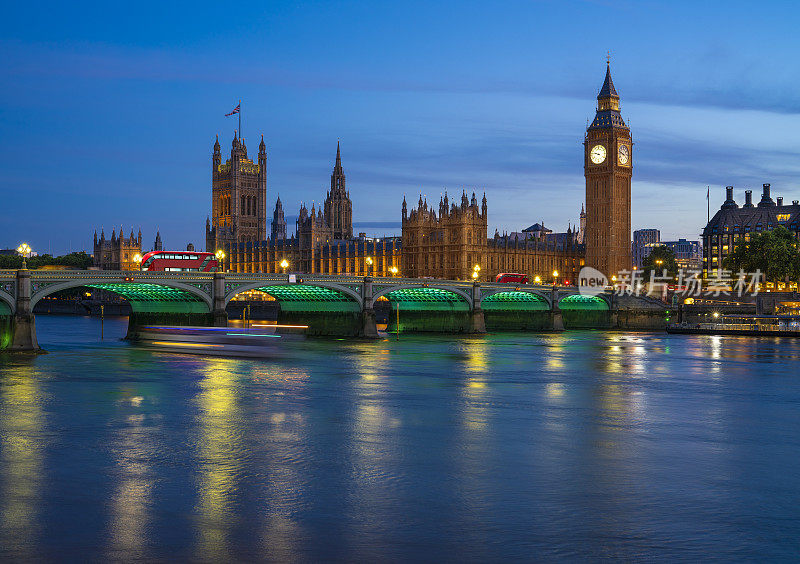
{"x":598,"y":154}
{"x":624,"y":155}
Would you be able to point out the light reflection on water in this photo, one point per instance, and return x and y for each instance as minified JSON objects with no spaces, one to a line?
{"x":578,"y":445}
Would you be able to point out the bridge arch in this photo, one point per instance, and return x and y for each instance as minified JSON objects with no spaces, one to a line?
{"x":399,"y":292}
{"x":323,"y":308}
{"x":7,"y":303}
{"x":516,"y":310}
{"x":581,"y":302}
{"x":288,"y":291}
{"x":427,"y":309}
{"x":513,"y":295}
{"x":140,"y":293}
{"x":585,"y":312}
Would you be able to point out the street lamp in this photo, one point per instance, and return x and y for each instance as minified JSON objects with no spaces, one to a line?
{"x":537,"y":279}
{"x":25,"y":250}
{"x":137,"y":258}
{"x":393,"y":270}
{"x":555,"y":277}
{"x":284,"y":265}
{"x":476,"y":271}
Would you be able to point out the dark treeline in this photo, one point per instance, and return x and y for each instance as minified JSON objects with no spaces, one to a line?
{"x":75,"y":260}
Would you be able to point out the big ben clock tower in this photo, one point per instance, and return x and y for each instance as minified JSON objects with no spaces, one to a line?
{"x":608,"y":158}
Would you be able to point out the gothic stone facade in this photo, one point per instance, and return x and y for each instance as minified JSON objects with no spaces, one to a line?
{"x":323,"y":244}
{"x":118,"y":252}
{"x":451,"y":244}
{"x":238,"y":197}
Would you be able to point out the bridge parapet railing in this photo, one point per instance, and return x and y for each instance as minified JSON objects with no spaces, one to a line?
{"x":116,"y":274}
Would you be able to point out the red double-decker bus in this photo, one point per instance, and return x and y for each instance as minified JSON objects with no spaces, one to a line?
{"x":511,"y":278}
{"x":179,"y":261}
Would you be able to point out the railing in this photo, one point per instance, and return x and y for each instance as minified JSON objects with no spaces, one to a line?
{"x":41,"y":275}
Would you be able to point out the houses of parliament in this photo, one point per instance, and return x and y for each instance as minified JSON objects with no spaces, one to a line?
{"x":444,"y":241}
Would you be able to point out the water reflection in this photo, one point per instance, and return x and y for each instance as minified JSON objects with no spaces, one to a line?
{"x":21,"y":438}
{"x":132,"y":449}
{"x":219,"y":458}
{"x":475,"y":365}
{"x":285,"y":434}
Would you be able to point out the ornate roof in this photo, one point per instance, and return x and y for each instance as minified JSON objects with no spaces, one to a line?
{"x":608,"y":89}
{"x":742,"y":219}
{"x":607,"y":118}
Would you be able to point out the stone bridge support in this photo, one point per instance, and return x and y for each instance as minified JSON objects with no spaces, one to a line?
{"x":24,"y":324}
{"x":218,"y":313}
{"x":557,"y":320}
{"x":477,"y":321}
{"x":369,"y":328}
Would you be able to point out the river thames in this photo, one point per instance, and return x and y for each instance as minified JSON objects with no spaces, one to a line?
{"x":580,"y":445}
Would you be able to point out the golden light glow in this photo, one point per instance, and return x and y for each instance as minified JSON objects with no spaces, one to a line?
{"x":393,"y":270}
{"x":537,"y":279}
{"x":369,"y":261}
{"x":137,"y":258}
{"x":177,"y":344}
{"x":614,"y":278}
{"x":555,"y":274}
{"x":716,"y":314}
{"x":474,"y":273}
{"x":284,"y":263}
{"x":219,"y":254}
{"x":476,"y":268}
{"x":24,"y":249}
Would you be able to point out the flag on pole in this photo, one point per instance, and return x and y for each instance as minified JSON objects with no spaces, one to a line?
{"x":235,"y":110}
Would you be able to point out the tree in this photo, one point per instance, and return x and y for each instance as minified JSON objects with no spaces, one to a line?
{"x":76,"y":260}
{"x":660,"y":258}
{"x":775,"y":253}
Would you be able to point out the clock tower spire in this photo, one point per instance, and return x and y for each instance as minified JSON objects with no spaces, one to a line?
{"x":608,"y":161}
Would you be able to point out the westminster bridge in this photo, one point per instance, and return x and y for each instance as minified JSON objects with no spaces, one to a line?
{"x":328,"y":305}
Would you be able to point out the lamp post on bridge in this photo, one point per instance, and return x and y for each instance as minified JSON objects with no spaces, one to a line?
{"x":25,"y":250}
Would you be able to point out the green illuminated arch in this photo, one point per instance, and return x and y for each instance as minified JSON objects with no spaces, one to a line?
{"x":514,"y":301}
{"x":427,"y":299}
{"x":152,"y":298}
{"x":583,"y":303}
{"x":5,"y":309}
{"x":308,"y":298}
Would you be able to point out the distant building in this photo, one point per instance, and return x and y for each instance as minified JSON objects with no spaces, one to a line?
{"x":733,"y":224}
{"x":118,"y":252}
{"x":643,"y":239}
{"x":157,"y":245}
{"x":190,"y":247}
{"x":688,"y":254}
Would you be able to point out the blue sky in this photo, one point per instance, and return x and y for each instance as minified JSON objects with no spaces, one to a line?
{"x":109,"y":111}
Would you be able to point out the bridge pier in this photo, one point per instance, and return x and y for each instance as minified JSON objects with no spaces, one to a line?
{"x":556,"y":318}
{"x":218,"y":313}
{"x":369,"y":328}
{"x":23,"y":327}
{"x":477,"y":321}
